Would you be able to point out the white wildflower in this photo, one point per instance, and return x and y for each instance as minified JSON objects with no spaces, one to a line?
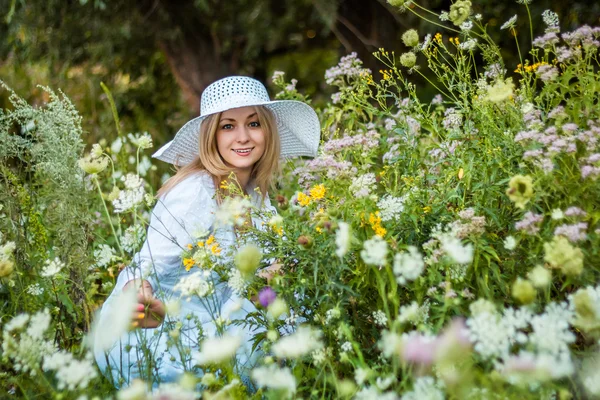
{"x":113,"y":322}
{"x":557,"y":214}
{"x":298,"y":344}
{"x":52,"y":267}
{"x":275,"y":378}
{"x":510,"y":243}
{"x":217,"y":349}
{"x":390,"y":345}
{"x":408,"y":266}
{"x":193,"y":285}
{"x":466,"y":26}
{"x":390,"y":207}
{"x":461,"y":254}
{"x":425,"y":387}
{"x":104,"y":255}
{"x":346,"y":347}
{"x":35,"y":289}
{"x":237,"y":282}
{"x":116,"y":146}
{"x":380,"y":318}
{"x":232,"y":211}
{"x":132,"y":238}
{"x":411,"y":313}
{"x":362,"y":185}
{"x":131,"y":197}
{"x":138,"y":390}
{"x":71,"y":374}
{"x":468,"y":45}
{"x":143,"y":141}
{"x":375,"y":251}
{"x":510,"y":23}
{"x":342,"y":239}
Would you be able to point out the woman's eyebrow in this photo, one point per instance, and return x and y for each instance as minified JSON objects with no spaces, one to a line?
{"x":231,"y":119}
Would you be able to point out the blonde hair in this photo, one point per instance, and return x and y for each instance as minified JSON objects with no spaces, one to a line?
{"x":210,"y":160}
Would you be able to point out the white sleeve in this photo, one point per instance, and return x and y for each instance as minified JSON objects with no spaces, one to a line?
{"x":185,"y":210}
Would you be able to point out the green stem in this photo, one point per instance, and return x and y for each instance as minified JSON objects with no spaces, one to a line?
{"x":112,"y":227}
{"x":514,"y":33}
{"x":432,"y":22}
{"x":530,"y":23}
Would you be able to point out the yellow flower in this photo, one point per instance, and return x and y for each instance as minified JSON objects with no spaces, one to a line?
{"x":210,"y":240}
{"x":427,"y":209}
{"x":215,"y":249}
{"x":200,"y":244}
{"x":188,"y":263}
{"x":559,"y":253}
{"x":520,"y":190}
{"x":380,"y":231}
{"x":190,"y":246}
{"x":317,"y":192}
{"x":303,"y":199}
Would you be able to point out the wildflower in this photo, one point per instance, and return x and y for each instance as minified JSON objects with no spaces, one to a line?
{"x":350,"y":66}
{"x":501,"y":90}
{"x":248,"y":259}
{"x":143,"y":141}
{"x":523,"y":291}
{"x":6,"y":267}
{"x":342,"y":239}
{"x":408,"y":59}
{"x":540,"y":277}
{"x":300,"y":343}
{"x":113,"y":323}
{"x":557,"y":214}
{"x":303,"y":199}
{"x":559,"y":253}
{"x":510,"y":24}
{"x":96,"y":151}
{"x":586,"y":303}
{"x":459,"y":12}
{"x":136,"y":391}
{"x":216,"y":350}
{"x":574,"y":232}
{"x":266,"y":296}
{"x":275,"y":378}
{"x":276,"y":223}
{"x":52,"y":267}
{"x":408,"y":266}
{"x":305,"y":241}
{"x":131,"y":197}
{"x":425,"y":387}
{"x":277,"y":308}
{"x":410,"y":38}
{"x":374,"y":251}
{"x":380,"y":318}
{"x":550,"y":18}
{"x":510,"y":243}
{"x":132,"y":238}
{"x":520,"y":190}
{"x":93,"y":166}
{"x":237,"y":281}
{"x":410,"y":313}
{"x":469,"y":45}
{"x":193,"y":285}
{"x":461,"y":254}
{"x":465,"y":27}
{"x":362,"y":185}
{"x":547,"y":73}
{"x":317,"y":192}
{"x":35,"y":289}
{"x":188,"y":263}
{"x":391,"y":208}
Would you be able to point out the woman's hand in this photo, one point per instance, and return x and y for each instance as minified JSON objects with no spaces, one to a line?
{"x":150,"y":311}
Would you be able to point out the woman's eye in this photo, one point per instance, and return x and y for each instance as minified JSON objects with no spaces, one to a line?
{"x":255,"y":124}
{"x":227,"y":126}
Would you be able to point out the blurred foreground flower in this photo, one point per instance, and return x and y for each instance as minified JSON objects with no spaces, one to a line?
{"x":216,"y":350}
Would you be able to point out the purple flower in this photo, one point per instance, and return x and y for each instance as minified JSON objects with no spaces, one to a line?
{"x":266,"y":296}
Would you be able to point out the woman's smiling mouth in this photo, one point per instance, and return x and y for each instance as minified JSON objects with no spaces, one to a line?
{"x":243,"y":152}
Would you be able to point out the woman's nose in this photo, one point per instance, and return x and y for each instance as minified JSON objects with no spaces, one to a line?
{"x":243,"y":135}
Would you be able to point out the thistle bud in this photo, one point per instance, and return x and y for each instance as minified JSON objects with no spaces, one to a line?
{"x":248,"y":259}
{"x":305,"y":241}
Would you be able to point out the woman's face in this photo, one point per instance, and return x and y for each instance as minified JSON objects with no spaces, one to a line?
{"x":240,"y":138}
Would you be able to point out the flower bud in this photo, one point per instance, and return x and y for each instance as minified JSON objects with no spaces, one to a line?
{"x":410,"y":38}
{"x":540,"y":277}
{"x":523,"y":291}
{"x":305,"y":241}
{"x":6,"y":268}
{"x":208,"y":379}
{"x":277,"y":308}
{"x":248,"y":259}
{"x":408,"y":60}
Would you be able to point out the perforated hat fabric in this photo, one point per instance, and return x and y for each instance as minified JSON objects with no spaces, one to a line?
{"x":297,"y":123}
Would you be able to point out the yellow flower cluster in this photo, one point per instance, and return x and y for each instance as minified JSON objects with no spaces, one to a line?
{"x":454,"y":41}
{"x":303,"y":199}
{"x":529,"y":68}
{"x":204,"y":247}
{"x":438,"y":38}
{"x":375,"y":222}
{"x":317,"y":192}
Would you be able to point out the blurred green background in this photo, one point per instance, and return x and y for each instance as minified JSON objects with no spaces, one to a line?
{"x":156,"y":56}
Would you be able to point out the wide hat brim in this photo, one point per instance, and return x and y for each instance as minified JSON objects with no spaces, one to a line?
{"x":297,"y":123}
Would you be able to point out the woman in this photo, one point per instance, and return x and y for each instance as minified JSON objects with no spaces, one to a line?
{"x":240,"y":130}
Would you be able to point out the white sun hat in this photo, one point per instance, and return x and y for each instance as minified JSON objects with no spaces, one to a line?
{"x":297,"y":122}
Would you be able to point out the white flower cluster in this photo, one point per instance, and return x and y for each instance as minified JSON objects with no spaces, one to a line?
{"x":375,"y":251}
{"x":194,"y":285}
{"x":52,"y":267}
{"x":275,"y":378}
{"x":425,"y":387}
{"x":391,"y":207}
{"x":459,"y":253}
{"x":35,"y":289}
{"x":217,"y":349}
{"x":233,"y":211}
{"x":71,"y":374}
{"x":237,"y":282}
{"x":27,"y":349}
{"x":408,"y":266}
{"x":302,"y":342}
{"x":132,"y":196}
{"x":413,"y":313}
{"x":362,"y":185}
{"x":132,"y":238}
{"x":380,"y":318}
{"x":342,"y":239}
{"x":143,"y":141}
{"x":104,"y":255}
{"x":112,"y":324}
{"x":332,"y":315}
{"x":373,"y":393}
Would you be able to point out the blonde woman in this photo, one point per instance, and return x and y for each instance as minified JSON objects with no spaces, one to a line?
{"x":240,"y":130}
